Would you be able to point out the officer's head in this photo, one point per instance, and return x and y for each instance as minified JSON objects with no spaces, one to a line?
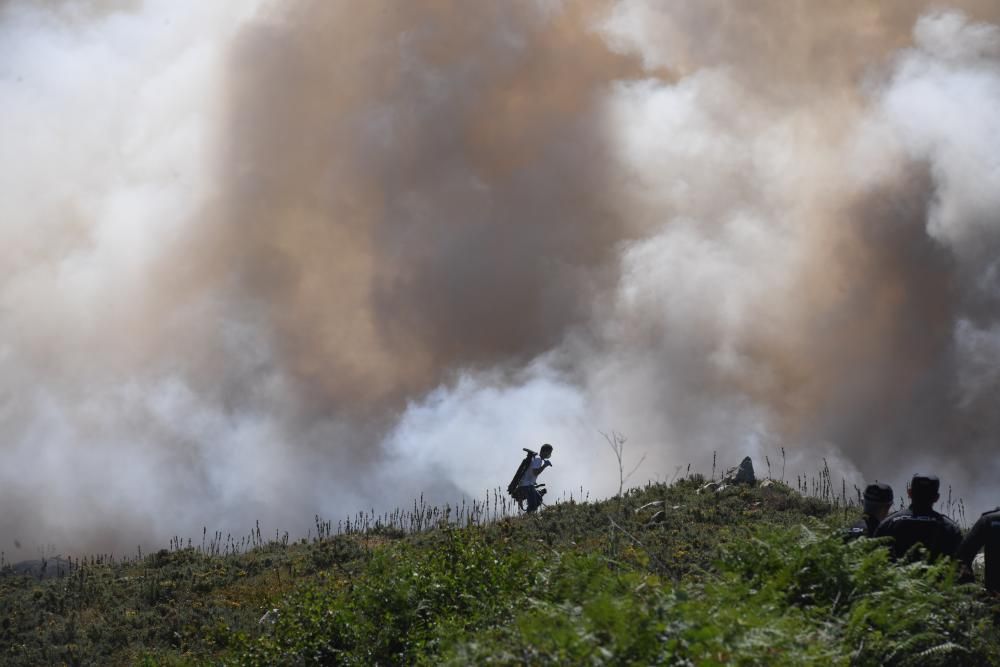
{"x":878,"y":500}
{"x":546,"y":451}
{"x":923,"y":490}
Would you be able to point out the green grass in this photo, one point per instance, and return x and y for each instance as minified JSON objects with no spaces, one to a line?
{"x":663,"y":575}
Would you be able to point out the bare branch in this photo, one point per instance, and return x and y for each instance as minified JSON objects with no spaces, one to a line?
{"x":617,"y":442}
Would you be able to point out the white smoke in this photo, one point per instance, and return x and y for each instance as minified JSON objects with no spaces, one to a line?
{"x":213,"y":313}
{"x":737,"y":196}
{"x":109,"y":135}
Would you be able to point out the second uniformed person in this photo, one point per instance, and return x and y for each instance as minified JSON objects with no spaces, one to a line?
{"x":920,"y":524}
{"x":878,"y":502}
{"x":985,"y":534}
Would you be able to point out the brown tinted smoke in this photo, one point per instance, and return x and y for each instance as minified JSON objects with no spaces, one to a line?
{"x":415,"y":189}
{"x":707,"y":224}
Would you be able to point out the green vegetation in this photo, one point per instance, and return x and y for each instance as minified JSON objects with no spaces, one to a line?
{"x":661,"y":575}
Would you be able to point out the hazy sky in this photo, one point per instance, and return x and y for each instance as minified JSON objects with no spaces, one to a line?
{"x":266,"y":260}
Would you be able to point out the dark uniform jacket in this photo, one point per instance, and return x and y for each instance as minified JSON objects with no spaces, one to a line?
{"x":985,"y":533}
{"x":936,"y":532}
{"x":863,"y":527}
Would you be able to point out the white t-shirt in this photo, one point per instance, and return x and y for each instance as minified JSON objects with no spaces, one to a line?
{"x":531,"y":474}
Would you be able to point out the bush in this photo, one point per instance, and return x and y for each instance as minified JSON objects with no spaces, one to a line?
{"x":786,"y":597}
{"x":399,"y":610}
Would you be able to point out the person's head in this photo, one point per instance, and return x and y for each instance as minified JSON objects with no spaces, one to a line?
{"x":878,"y":500}
{"x":923,"y":490}
{"x":546,"y":451}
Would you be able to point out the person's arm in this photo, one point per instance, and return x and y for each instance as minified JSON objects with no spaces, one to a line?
{"x":967,"y":551}
{"x":972,"y":543}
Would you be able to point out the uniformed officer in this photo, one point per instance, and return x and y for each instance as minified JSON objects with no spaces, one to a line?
{"x":985,"y":533}
{"x":877,"y":503}
{"x":920,"y":524}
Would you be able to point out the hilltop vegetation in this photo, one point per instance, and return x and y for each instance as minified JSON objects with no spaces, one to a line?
{"x":662,"y":575}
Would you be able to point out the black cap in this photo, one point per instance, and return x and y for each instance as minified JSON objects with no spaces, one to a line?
{"x":924,"y":486}
{"x":878,"y":493}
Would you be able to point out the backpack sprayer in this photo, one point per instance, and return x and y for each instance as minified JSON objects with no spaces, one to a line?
{"x":515,"y":489}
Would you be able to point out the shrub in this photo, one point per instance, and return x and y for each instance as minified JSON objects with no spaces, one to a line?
{"x":785,"y":597}
{"x":399,"y":610}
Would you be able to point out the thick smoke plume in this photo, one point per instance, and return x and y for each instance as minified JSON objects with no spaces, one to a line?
{"x":265,"y":261}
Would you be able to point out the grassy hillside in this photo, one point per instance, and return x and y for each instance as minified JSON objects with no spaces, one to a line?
{"x":663,"y":575}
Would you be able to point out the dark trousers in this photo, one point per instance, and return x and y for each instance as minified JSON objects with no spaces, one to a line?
{"x":532,"y":496}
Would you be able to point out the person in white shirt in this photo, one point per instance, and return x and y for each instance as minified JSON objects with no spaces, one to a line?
{"x":530,"y":477}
